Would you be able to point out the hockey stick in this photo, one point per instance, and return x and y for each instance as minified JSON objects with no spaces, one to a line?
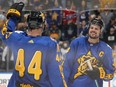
{"x":91,"y":68}
{"x":62,"y":74}
{"x":59,"y":55}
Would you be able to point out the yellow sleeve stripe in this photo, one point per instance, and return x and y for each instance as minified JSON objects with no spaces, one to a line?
{"x":109,"y":76}
{"x":62,"y":75}
{"x":8,"y":34}
{"x":102,"y":72}
{"x":104,"y":75}
{"x":4,"y":29}
{"x":13,"y":11}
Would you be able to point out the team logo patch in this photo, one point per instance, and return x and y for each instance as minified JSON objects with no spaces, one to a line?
{"x":31,"y":41}
{"x":82,"y":61}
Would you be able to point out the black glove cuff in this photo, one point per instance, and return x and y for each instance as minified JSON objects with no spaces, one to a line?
{"x":97,"y":72}
{"x":93,"y":74}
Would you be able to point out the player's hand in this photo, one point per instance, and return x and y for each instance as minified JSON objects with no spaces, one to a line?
{"x":15,"y":10}
{"x":97,"y":72}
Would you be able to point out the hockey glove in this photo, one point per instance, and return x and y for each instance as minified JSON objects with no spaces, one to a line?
{"x":15,"y":10}
{"x":97,"y":72}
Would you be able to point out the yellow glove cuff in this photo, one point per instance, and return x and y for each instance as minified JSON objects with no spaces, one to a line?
{"x":102,"y":72}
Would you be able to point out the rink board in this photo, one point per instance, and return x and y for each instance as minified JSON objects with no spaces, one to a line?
{"x":4,"y":79}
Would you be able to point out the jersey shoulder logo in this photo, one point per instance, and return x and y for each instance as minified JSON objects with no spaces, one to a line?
{"x":30,"y":41}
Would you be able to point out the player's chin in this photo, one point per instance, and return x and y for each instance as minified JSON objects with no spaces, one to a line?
{"x":93,"y":36}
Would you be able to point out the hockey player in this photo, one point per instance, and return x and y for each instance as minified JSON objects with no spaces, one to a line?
{"x":34,"y":55}
{"x":89,"y":60}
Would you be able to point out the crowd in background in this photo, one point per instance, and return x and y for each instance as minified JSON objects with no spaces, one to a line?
{"x":65,"y":20}
{"x":76,"y":5}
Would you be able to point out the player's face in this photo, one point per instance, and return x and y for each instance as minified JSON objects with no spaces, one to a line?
{"x":94,"y":31}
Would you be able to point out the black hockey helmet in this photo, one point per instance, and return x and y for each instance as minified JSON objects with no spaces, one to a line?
{"x":35,"y":19}
{"x":97,"y":21}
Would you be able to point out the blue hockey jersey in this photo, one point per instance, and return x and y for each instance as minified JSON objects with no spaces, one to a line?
{"x":34,"y":58}
{"x":75,"y":62}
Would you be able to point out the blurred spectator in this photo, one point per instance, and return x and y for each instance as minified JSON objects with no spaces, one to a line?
{"x":64,"y":49}
{"x":84,"y":15}
{"x":91,"y":16}
{"x":95,"y":11}
{"x":4,"y":4}
{"x":77,"y":3}
{"x":83,"y":5}
{"x":73,"y":7}
{"x":68,"y":4}
{"x":24,"y":1}
{"x":108,"y":3}
{"x":57,"y":3}
{"x":111,"y":23}
{"x":69,"y":31}
{"x":36,"y":4}
{"x":7,"y":59}
{"x":39,"y":7}
{"x":92,"y":3}
{"x":55,"y":32}
{"x":83,"y":28}
{"x":2,"y":20}
{"x":1,"y":51}
{"x":48,"y":4}
{"x":106,"y":16}
{"x":17,"y":1}
{"x":63,"y":3}
{"x":110,"y":37}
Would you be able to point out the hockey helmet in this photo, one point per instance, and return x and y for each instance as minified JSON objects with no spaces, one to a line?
{"x":35,"y":19}
{"x":97,"y":21}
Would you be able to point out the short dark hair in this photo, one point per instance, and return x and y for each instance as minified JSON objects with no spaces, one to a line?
{"x":97,"y":21}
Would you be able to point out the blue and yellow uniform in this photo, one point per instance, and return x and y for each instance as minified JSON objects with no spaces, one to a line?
{"x":75,"y":63}
{"x":34,"y":58}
